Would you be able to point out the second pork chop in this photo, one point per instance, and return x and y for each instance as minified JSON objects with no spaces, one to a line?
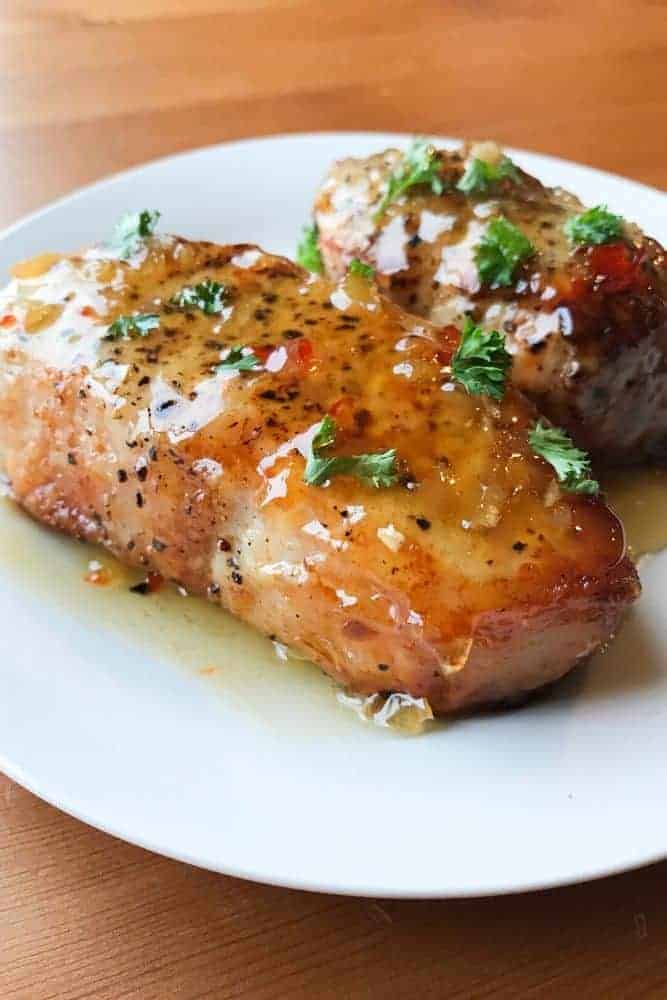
{"x":581,"y":297}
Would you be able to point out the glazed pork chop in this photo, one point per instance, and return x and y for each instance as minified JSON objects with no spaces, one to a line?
{"x":299,"y":452}
{"x":581,"y":295}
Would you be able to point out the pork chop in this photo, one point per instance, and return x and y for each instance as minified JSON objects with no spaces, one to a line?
{"x":584,"y":308}
{"x":297,"y":451}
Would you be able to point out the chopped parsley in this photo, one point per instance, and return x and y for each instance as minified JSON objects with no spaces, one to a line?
{"x":209,"y":296}
{"x":480,"y":176}
{"x":308,"y":252}
{"x":481,"y":361}
{"x":571,"y":465}
{"x":238,"y":361}
{"x":363,"y":270}
{"x":502,"y":248}
{"x":129,"y":231}
{"x":594,"y":226}
{"x":377,"y":469}
{"x":420,"y":165}
{"x":129,"y":327}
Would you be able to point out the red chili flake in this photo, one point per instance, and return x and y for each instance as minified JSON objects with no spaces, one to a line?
{"x":297,"y":354}
{"x":8,"y":320}
{"x":262,"y":352}
{"x":90,"y":312}
{"x":300,"y":351}
{"x":335,"y":407}
{"x":449,"y":336}
{"x":155,"y":582}
{"x":342,"y":410}
{"x":615,"y":265}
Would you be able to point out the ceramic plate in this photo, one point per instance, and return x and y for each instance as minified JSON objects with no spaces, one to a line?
{"x":160,"y":720}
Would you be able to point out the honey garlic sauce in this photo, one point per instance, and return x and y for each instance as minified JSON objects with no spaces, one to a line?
{"x":426,"y":242}
{"x":328,"y":353}
{"x":639,"y":497}
{"x":196,"y":471}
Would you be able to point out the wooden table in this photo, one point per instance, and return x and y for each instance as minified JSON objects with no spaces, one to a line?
{"x":91,"y":86}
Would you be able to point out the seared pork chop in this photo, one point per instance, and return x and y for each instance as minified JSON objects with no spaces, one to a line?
{"x":189,"y":409}
{"x":584,"y":309}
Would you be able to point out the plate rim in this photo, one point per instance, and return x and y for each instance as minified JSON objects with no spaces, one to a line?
{"x":255,"y":874}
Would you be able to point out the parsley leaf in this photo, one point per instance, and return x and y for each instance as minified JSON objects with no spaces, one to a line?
{"x":308,"y":252}
{"x":480,"y":176}
{"x":237,"y":361}
{"x":128,"y":327}
{"x":481,"y":361}
{"x":596,"y":225}
{"x":377,"y":469}
{"x":420,"y":165}
{"x":571,"y":465}
{"x":131,"y":230}
{"x":363,"y":270}
{"x":209,"y":296}
{"x":502,"y":248}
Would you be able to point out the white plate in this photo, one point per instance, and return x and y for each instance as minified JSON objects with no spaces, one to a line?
{"x":257,"y":771}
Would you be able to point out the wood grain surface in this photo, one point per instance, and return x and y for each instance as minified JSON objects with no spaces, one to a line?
{"x":88,"y":88}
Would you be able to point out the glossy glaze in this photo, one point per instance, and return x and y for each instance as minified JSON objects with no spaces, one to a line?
{"x":196,"y":473}
{"x":587,"y":325}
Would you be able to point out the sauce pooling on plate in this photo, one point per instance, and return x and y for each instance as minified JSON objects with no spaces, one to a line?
{"x":639,"y":497}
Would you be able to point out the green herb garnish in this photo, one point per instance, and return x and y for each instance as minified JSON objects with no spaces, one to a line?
{"x":237,"y":361}
{"x":363,"y":270}
{"x":377,"y":469}
{"x":209,"y":296}
{"x":481,"y":361}
{"x":129,"y":231}
{"x":596,"y":225}
{"x":502,"y":248}
{"x":308,"y":252}
{"x":128,"y":327}
{"x":571,"y":465}
{"x":421,"y":165}
{"x":480,"y":175}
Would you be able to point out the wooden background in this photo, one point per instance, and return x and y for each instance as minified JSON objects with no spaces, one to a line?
{"x":91,"y":86}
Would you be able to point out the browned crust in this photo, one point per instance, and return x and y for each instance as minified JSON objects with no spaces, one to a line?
{"x":496,"y":640}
